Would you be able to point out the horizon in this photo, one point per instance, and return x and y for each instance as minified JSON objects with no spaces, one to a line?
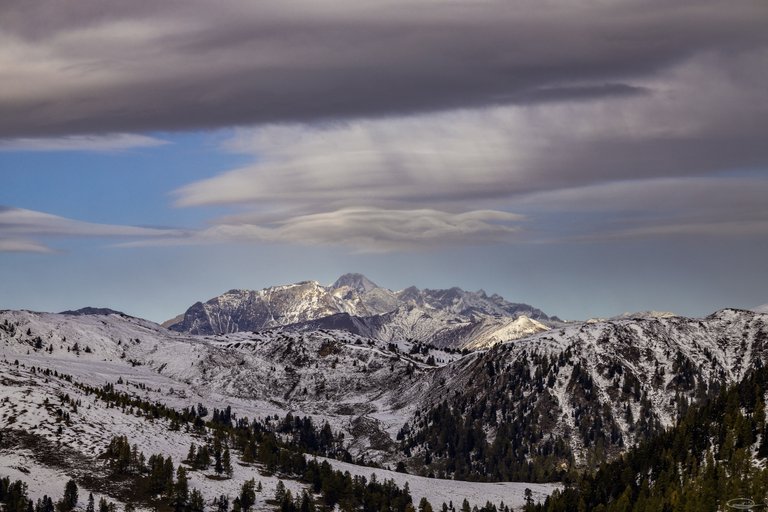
{"x":583,"y":158}
{"x":763,"y":308}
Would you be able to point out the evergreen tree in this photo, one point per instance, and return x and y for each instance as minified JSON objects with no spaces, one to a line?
{"x":90,"y":507}
{"x":181,"y":490}
{"x":196,"y":501}
{"x":168,"y":476}
{"x":226,"y":462}
{"x":218,"y":466}
{"x":279,"y":491}
{"x":191,"y":454}
{"x":222,"y":504}
{"x":69,"y":501}
{"x":248,"y":495}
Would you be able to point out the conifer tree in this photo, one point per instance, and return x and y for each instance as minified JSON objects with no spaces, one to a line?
{"x":222,"y":504}
{"x":218,"y":466}
{"x":69,"y":501}
{"x":226,"y":462}
{"x":181,"y":490}
{"x":248,"y":495}
{"x":279,"y":491}
{"x":196,"y":501}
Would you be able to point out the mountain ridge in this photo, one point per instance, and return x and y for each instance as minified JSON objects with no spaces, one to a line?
{"x":307,"y":303}
{"x":585,"y":389}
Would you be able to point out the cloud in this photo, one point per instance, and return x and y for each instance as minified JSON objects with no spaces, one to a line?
{"x":107,"y":66}
{"x":686,"y":159}
{"x":699,"y":122}
{"x":20,"y":245}
{"x":361,"y":229}
{"x":18,"y":225}
{"x":756,"y":228}
{"x":110,"y":142}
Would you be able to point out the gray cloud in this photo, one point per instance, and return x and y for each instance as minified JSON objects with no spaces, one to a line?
{"x":109,"y":66}
{"x":20,"y":230}
{"x":360,"y":229}
{"x":20,"y":245}
{"x":699,"y":122}
{"x":111,"y":142}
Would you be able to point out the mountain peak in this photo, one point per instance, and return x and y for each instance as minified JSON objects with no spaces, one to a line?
{"x":89,"y":310}
{"x":356,"y":281}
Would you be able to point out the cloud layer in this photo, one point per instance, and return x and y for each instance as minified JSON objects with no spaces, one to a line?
{"x":21,"y":230}
{"x":109,"y":142}
{"x":107,"y":66}
{"x":687,"y":158}
{"x":360,"y":229}
{"x":398,"y":125}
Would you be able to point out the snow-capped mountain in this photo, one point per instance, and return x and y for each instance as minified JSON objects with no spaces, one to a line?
{"x":54,"y":428}
{"x":573,"y":395}
{"x":433,"y":326}
{"x":591,"y":387}
{"x":451,"y":317}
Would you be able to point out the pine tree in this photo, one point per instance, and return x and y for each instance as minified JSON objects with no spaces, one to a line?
{"x":279,"y":491}
{"x":226,"y":462}
{"x":69,"y":501}
{"x":222,"y":504}
{"x":218,"y":466}
{"x":196,"y":501}
{"x":306,"y":504}
{"x":168,"y":476}
{"x":191,"y":454}
{"x":90,"y":507}
{"x":248,"y":494}
{"x":181,"y":490}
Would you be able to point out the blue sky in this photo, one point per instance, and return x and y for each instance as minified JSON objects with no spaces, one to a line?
{"x":153,"y":156}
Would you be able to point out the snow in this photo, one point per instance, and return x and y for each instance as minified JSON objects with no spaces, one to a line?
{"x":439,"y":491}
{"x":346,"y":376}
{"x":182,"y":370}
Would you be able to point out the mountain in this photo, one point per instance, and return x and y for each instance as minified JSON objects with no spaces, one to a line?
{"x":578,"y":391}
{"x":451,"y":317}
{"x":432,"y":326}
{"x":568,"y":398}
{"x":357,"y":282}
{"x":761,"y":309}
{"x":73,"y":386}
{"x":88,"y":310}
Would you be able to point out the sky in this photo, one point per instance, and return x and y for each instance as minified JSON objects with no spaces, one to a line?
{"x":586,"y":157}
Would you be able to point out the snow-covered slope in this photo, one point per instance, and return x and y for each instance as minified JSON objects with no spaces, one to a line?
{"x":591,"y":385}
{"x":600,"y":387}
{"x":363,"y":387}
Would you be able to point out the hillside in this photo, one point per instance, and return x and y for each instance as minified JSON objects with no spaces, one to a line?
{"x":537,"y":408}
{"x":569,"y":398}
{"x":55,"y":425}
